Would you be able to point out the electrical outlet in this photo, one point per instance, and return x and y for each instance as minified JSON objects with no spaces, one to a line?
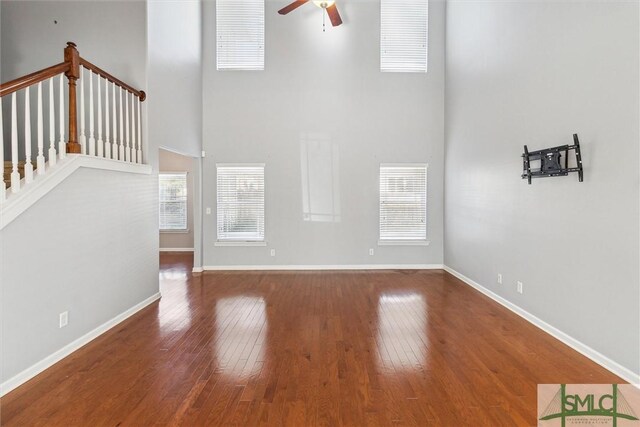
{"x":273,"y":252}
{"x":519,"y":287}
{"x":64,"y":319}
{"x":371,"y":251}
{"x":208,"y":211}
{"x":499,"y":279}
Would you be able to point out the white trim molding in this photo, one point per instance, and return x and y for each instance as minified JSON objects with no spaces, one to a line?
{"x":197,"y":270}
{"x":176,"y":249}
{"x":52,"y":359}
{"x":240,"y":243}
{"x":323,"y":267}
{"x":42,"y":184}
{"x":599,"y":358}
{"x":403,"y":242}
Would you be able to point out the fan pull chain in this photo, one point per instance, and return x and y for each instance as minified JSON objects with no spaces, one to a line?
{"x":323,"y":26}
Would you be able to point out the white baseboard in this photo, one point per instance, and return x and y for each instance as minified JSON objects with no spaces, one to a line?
{"x":197,"y":270}
{"x":326,"y":267}
{"x":602,"y":360}
{"x":176,"y":249}
{"x":50,"y":360}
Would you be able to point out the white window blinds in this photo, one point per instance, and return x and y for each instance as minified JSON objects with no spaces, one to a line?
{"x":240,"y":34}
{"x":173,"y":201}
{"x":240,"y":202}
{"x":403,"y":202}
{"x":403,"y":35}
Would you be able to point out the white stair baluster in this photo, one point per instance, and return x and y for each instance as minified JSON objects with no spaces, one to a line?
{"x":62,"y":149}
{"x":52,"y":127}
{"x":120,"y":142}
{"x":134,"y":148}
{"x":28,"y":166}
{"x":100,"y":143}
{"x":139,"y":134}
{"x":92,"y":140}
{"x":114,"y":145}
{"x":15,"y":175}
{"x":83,"y":138}
{"x":40,"y":159}
{"x":107,"y":143}
{"x":127,"y":152}
{"x":3,"y":187}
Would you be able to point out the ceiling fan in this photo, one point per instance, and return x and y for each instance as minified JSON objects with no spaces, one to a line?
{"x":328,"y":5}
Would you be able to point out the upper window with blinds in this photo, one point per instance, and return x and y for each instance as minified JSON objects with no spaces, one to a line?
{"x":240,"y":34}
{"x":403,"y":203}
{"x":403,"y":35}
{"x":240,"y":202}
{"x":173,"y":201}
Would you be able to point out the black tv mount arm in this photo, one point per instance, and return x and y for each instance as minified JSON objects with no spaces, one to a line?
{"x":550,"y":159}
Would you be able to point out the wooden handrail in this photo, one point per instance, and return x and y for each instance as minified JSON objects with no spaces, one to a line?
{"x":139,"y":93}
{"x":33,"y":78}
{"x":71,"y":68}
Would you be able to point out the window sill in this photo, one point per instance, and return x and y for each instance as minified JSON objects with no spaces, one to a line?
{"x":403,"y":242}
{"x":175,"y":231}
{"x":239,"y":243}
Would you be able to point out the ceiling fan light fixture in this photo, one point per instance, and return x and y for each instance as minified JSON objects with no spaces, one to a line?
{"x":324,"y":3}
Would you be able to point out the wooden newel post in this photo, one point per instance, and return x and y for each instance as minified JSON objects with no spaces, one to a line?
{"x":72,"y":57}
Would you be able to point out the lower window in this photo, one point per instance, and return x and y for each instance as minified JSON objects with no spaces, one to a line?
{"x":403,"y":203}
{"x":173,"y":201}
{"x":240,"y":202}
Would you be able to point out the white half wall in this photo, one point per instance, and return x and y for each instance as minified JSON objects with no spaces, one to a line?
{"x":322,"y":117}
{"x":77,"y":250}
{"x":534,"y":73}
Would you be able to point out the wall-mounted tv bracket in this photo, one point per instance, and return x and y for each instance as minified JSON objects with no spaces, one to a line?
{"x":550,"y":161}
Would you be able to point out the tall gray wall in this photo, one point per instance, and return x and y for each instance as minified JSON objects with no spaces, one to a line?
{"x":323,"y":92}
{"x":175,"y":75}
{"x":534,"y":73}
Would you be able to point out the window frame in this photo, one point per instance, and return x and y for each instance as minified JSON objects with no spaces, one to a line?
{"x":404,"y":69}
{"x":400,"y":241}
{"x":242,"y":242}
{"x":239,"y":67}
{"x":186,"y":202}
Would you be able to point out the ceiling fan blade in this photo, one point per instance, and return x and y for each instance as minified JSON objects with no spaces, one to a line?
{"x":296,"y":4}
{"x":334,"y":16}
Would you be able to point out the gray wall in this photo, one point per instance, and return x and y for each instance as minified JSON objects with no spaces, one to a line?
{"x":534,"y":73}
{"x":172,"y":162}
{"x":110,"y":34}
{"x":324,"y":91}
{"x":94,"y":260}
{"x":175,"y":75}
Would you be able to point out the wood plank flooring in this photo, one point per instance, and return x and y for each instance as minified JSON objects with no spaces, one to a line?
{"x":372,"y":348}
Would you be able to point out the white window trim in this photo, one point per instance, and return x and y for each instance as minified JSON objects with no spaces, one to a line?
{"x":405,"y":242}
{"x":415,"y":242}
{"x":177,"y":230}
{"x":239,"y":242}
{"x":182,"y":231}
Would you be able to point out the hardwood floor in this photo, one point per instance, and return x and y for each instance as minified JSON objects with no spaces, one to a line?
{"x":304,"y":349}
